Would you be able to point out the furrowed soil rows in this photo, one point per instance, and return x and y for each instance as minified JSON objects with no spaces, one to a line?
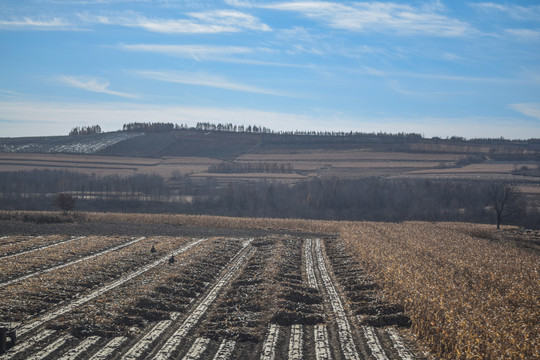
{"x":171,"y":345}
{"x":31,"y":244}
{"x":41,"y":293}
{"x":345,"y":335}
{"x":378,"y":319}
{"x":36,"y":323}
{"x":273,"y":297}
{"x":51,"y":259}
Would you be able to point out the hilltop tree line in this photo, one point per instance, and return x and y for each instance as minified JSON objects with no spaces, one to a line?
{"x":150,"y":127}
{"x":85,"y":130}
{"x":256,"y":129}
{"x":503,"y":149}
{"x":374,"y":199}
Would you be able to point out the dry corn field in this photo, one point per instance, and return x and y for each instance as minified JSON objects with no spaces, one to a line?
{"x":358,"y":293}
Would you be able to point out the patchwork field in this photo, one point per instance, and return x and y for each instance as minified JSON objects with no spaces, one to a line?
{"x":304,"y":165}
{"x":280,"y":289}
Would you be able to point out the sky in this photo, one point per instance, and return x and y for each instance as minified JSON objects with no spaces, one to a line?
{"x":437,"y":68}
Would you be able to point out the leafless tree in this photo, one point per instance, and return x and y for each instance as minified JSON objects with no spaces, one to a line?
{"x":65,"y":202}
{"x":503,"y":198}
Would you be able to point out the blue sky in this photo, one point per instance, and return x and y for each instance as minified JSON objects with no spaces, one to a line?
{"x":439,"y":68}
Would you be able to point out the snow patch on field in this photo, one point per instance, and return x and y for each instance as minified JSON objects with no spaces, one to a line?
{"x":88,"y":144}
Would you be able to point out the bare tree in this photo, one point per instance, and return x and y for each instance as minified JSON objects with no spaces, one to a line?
{"x":503,"y":198}
{"x":65,"y":202}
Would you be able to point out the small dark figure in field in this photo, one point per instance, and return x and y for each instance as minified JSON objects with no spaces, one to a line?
{"x":171,"y":260}
{"x":153,"y":249}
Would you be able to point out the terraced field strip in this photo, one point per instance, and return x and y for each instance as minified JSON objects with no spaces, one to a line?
{"x":401,"y":349}
{"x":81,"y":348}
{"x":24,"y":346}
{"x":296,"y":343}
{"x":176,"y":339}
{"x":322,"y":345}
{"x":89,"y":257}
{"x":225,"y":350}
{"x":109,"y":349}
{"x":310,"y":271}
{"x":197,"y":349}
{"x":41,"y":247}
{"x":373,"y":342}
{"x":269,"y":346}
{"x":48,"y":317}
{"x":344,"y":328}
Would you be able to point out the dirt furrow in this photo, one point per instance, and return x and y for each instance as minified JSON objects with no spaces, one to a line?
{"x":64,"y":309}
{"x":23,"y":252}
{"x":269,"y":345}
{"x":49,"y":349}
{"x":345,"y":335}
{"x":21,"y":348}
{"x":400,"y":347}
{"x":310,"y":271}
{"x":109,"y":349}
{"x":170,"y":346}
{"x":197,"y":349}
{"x":81,"y":348}
{"x":322,"y":345}
{"x":225,"y":350}
{"x":366,"y":300}
{"x":41,"y":272}
{"x":147,"y":341}
{"x":296,"y":343}
{"x":373,"y":342}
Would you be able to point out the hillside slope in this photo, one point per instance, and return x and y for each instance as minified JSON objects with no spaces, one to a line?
{"x":185,"y":143}
{"x":228,"y":145}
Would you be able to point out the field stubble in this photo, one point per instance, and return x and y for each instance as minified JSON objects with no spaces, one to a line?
{"x":466,"y":296}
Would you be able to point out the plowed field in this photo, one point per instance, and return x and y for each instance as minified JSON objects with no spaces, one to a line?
{"x":275,"y":296}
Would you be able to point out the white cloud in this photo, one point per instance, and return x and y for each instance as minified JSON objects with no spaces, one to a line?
{"x":204,"y":79}
{"x":529,"y":109}
{"x":386,"y":17}
{"x":513,"y":11}
{"x":239,"y":3}
{"x":210,"y":22}
{"x":232,"y":18}
{"x":91,"y":84}
{"x":525,"y":34}
{"x":27,"y":23}
{"x":198,"y":52}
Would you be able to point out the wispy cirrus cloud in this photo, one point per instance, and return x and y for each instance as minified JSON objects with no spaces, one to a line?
{"x":387,"y":17}
{"x":210,"y":22}
{"x":443,"y":77}
{"x":511,"y":10}
{"x":205,"y":79}
{"x":524,"y":34}
{"x":195,"y":51}
{"x":203,"y":52}
{"x":91,"y":84}
{"x":529,"y":109}
{"x":44,"y":24}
